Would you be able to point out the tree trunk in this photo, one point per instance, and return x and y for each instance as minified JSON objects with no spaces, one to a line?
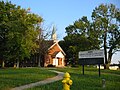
{"x":109,"y":58}
{"x":107,"y":65}
{"x":18,"y":63}
{"x":14,"y":65}
{"x":3,"y":64}
{"x":110,"y":55}
{"x":39,"y":60}
{"x":105,"y":50}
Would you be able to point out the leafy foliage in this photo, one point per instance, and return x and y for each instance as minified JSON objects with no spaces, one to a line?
{"x":106,"y":19}
{"x":18,"y":31}
{"x":81,"y":36}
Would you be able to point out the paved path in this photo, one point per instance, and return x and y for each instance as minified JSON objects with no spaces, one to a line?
{"x":46,"y":81}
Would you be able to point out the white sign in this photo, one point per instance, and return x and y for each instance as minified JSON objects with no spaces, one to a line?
{"x":92,"y":54}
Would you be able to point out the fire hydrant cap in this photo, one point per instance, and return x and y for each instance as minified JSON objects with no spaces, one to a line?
{"x":67,"y":75}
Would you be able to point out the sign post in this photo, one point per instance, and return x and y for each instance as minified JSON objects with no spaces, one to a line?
{"x":91,"y":57}
{"x":83,"y":68}
{"x":99,"y":69}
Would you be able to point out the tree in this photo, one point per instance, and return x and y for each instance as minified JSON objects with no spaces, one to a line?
{"x":43,"y":42}
{"x":102,"y":31}
{"x":80,"y":36}
{"x":107,"y":20}
{"x":18,"y":32}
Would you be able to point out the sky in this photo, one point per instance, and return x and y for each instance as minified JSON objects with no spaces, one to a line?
{"x":62,"y":13}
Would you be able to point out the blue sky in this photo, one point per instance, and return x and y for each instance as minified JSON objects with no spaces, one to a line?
{"x":64,"y":12}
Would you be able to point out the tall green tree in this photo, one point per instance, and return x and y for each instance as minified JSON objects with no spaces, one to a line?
{"x":80,"y":36}
{"x":102,"y":31}
{"x":18,"y":32}
{"x":106,"y":19}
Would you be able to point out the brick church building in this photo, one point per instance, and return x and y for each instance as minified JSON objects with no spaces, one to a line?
{"x":55,"y":55}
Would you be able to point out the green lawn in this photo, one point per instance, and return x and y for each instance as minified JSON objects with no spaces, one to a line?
{"x":89,"y":81}
{"x":11,"y":77}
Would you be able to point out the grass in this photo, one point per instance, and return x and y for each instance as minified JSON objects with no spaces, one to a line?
{"x":89,"y":81}
{"x":11,"y":77}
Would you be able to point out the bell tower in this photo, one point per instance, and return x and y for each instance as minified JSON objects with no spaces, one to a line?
{"x":54,"y":35}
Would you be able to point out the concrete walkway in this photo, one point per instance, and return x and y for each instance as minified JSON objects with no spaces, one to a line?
{"x":46,"y":81}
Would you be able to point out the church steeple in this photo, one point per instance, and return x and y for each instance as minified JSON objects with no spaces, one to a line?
{"x":54,"y":36}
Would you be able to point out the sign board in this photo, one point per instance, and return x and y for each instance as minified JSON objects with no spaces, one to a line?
{"x":91,"y":57}
{"x":92,"y":54}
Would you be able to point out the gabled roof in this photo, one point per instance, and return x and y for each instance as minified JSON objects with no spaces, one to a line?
{"x":56,"y":43}
{"x":48,"y":44}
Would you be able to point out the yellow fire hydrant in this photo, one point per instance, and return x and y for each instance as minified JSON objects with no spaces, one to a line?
{"x":66,"y":81}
